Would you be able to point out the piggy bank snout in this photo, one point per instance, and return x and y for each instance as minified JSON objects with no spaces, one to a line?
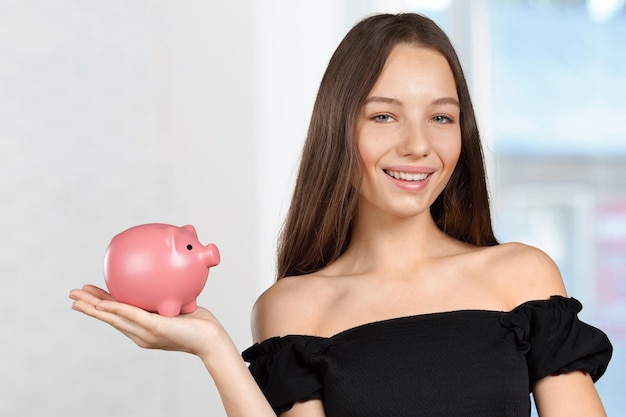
{"x":211,"y":255}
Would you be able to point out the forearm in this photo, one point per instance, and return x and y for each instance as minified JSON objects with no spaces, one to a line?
{"x":198,"y":333}
{"x":570,"y":394}
{"x":238,"y":390}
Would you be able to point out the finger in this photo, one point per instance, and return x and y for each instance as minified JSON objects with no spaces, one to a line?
{"x":86,"y":303}
{"x":147,"y":330}
{"x":129,"y":318}
{"x":98,"y":292}
{"x":120,"y":316}
{"x":127,"y":311}
{"x":83,"y":295}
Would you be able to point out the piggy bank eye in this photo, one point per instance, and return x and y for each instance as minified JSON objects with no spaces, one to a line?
{"x":189,"y":247}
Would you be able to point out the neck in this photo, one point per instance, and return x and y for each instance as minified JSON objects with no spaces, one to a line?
{"x":390,"y":242}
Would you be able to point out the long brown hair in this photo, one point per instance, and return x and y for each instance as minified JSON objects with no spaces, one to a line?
{"x":317,"y":229}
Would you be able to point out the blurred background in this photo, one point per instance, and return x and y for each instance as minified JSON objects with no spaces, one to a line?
{"x":120,"y":112}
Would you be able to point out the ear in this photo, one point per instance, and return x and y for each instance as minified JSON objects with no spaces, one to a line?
{"x":191,"y":229}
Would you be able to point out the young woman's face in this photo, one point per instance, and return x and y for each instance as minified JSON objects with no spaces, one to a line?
{"x":408,"y":133}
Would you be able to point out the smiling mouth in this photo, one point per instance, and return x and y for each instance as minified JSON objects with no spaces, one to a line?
{"x":407,"y":176}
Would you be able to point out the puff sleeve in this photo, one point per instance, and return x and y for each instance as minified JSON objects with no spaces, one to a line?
{"x":288,"y":369}
{"x":555,"y":341}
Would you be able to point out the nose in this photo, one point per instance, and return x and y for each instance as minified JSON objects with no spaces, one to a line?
{"x":211,"y":255}
{"x":415,"y":141}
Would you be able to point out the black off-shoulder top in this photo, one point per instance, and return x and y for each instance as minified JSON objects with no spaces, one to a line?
{"x":458,"y":363}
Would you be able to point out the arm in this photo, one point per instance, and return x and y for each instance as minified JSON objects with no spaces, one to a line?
{"x":198,"y":333}
{"x":312,"y":408}
{"x":283,"y":310}
{"x":570,"y":394}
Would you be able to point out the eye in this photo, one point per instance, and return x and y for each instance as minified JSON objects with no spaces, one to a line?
{"x":442,"y":119}
{"x":189,"y":247}
{"x":383,"y":118}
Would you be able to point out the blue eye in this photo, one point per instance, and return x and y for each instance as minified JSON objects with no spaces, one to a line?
{"x":384,"y":118}
{"x":442,"y":119}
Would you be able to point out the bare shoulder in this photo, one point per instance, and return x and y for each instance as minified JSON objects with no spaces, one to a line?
{"x":522,"y":272}
{"x":290,"y":306}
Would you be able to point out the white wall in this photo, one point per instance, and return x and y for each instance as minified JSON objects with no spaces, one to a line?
{"x":293,"y":42}
{"x":115,"y":113}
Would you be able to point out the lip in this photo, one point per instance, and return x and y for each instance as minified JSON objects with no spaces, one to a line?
{"x":410,"y":169}
{"x":411,"y":186}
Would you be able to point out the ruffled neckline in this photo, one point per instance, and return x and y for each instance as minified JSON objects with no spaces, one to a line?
{"x":411,"y":318}
{"x":555,"y":301}
{"x":518,"y":320}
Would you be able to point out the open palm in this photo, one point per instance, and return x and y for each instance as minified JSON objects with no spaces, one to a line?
{"x":193,"y":332}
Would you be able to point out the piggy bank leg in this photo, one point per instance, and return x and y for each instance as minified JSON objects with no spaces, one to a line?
{"x":189,"y":308}
{"x":169,"y":308}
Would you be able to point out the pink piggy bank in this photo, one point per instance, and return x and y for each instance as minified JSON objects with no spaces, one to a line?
{"x":158,"y":267}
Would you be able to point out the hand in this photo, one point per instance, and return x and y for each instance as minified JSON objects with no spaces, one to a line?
{"x":194,"y":332}
{"x":198,"y":333}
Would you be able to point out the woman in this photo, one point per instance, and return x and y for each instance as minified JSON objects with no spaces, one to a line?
{"x":393,"y":296}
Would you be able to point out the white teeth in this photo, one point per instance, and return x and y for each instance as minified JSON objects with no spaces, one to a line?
{"x":407,"y":176}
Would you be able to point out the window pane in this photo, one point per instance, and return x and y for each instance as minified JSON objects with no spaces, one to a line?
{"x":559,"y":144}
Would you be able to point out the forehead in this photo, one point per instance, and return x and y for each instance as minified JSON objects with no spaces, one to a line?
{"x":415,"y":69}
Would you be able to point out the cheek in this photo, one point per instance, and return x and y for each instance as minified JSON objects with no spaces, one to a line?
{"x":449,"y":152}
{"x":367,"y":153}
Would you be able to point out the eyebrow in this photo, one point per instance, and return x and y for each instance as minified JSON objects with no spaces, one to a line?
{"x":378,"y":99}
{"x":446,"y":100}
{"x":436,"y":102}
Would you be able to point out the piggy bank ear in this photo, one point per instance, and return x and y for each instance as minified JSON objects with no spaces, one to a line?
{"x":191,"y":229}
